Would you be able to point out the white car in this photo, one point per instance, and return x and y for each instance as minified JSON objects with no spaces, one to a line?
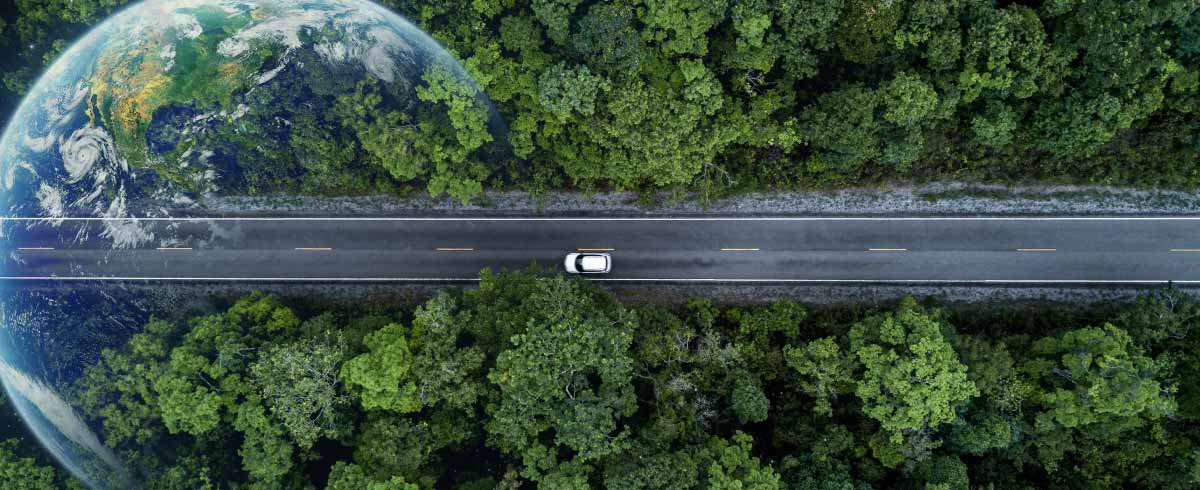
{"x":588,"y":263}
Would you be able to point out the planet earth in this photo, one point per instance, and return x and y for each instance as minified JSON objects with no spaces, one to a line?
{"x":170,"y":102}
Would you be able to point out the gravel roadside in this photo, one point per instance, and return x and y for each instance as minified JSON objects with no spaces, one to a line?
{"x":938,"y":199}
{"x":877,"y":295}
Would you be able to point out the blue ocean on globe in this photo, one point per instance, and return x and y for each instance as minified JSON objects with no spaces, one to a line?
{"x":166,"y":103}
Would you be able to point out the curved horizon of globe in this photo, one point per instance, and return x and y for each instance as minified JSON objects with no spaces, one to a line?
{"x":169,"y":102}
{"x":316,"y":97}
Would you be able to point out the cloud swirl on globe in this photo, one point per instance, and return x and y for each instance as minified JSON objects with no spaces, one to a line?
{"x":165,"y":104}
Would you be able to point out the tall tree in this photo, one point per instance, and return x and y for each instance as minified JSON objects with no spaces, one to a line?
{"x":912,"y":380}
{"x":579,"y":394}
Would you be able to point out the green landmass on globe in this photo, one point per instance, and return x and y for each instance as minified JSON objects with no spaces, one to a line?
{"x":260,"y":97}
{"x":173,"y":101}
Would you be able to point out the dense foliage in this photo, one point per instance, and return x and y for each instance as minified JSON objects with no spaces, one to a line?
{"x":718,"y":95}
{"x":549,"y":382}
{"x":23,"y":463}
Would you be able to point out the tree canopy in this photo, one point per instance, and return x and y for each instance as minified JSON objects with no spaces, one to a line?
{"x":533,"y":381}
{"x":731,"y":96}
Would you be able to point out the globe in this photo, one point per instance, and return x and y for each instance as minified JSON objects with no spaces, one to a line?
{"x":169,"y":103}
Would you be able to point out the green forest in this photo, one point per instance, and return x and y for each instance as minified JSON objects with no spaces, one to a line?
{"x":549,"y":382}
{"x":24,"y":465}
{"x":719,"y":96}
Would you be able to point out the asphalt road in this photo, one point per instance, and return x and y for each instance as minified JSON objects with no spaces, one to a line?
{"x":918,"y":250}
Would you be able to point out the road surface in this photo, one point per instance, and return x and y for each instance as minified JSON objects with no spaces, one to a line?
{"x":913,"y":250}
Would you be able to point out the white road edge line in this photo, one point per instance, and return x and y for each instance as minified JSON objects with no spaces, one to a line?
{"x":462,"y":279}
{"x":739,"y":249}
{"x":314,"y":249}
{"x":174,"y":248}
{"x":451,"y":249}
{"x":1185,"y":249}
{"x":35,"y":248}
{"x":710,"y":218}
{"x":1037,"y":249}
{"x":887,"y":249}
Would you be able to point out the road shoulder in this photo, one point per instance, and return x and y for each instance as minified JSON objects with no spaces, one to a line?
{"x":938,"y":199}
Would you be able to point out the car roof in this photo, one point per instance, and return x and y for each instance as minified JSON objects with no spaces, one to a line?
{"x":594,"y":262}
